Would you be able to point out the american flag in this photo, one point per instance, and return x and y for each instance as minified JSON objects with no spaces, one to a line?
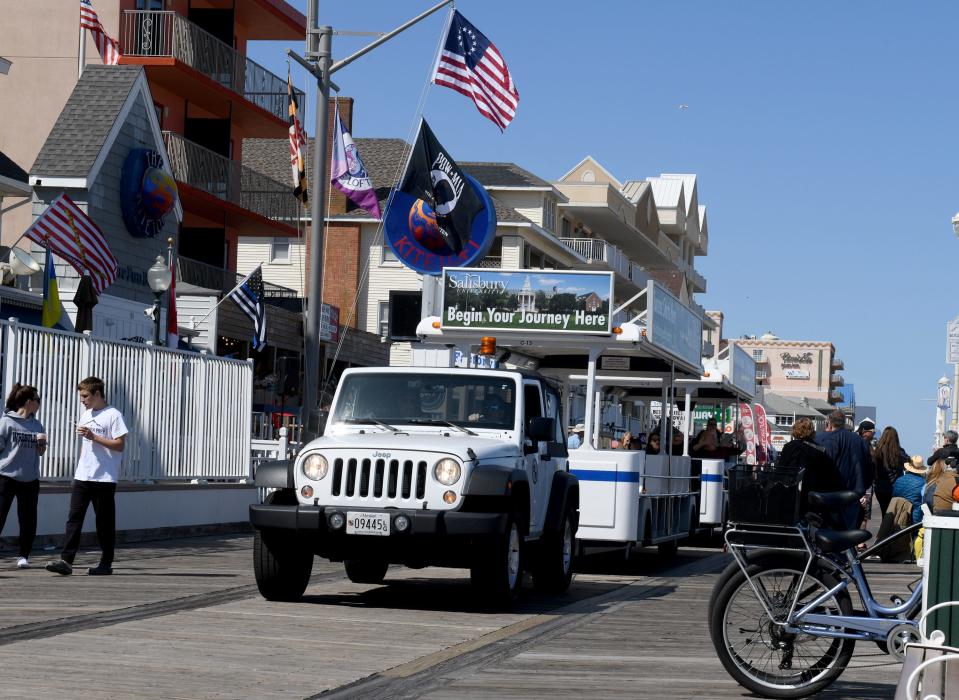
{"x":68,"y":233}
{"x":108,"y":47}
{"x":297,"y":144}
{"x":249,"y":297}
{"x":471,"y":64}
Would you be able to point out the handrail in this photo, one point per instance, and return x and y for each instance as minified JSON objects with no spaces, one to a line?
{"x":166,"y":33}
{"x":229,"y":180}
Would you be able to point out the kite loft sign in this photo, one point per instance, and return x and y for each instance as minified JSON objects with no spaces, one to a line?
{"x":484,"y":299}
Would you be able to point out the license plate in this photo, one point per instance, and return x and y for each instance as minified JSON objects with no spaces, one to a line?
{"x":367,"y":524}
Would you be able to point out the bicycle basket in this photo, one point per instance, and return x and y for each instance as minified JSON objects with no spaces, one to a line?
{"x":768,"y":496}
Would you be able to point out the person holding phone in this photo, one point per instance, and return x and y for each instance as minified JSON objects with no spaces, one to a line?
{"x":103,"y":431}
{"x":22,"y":443}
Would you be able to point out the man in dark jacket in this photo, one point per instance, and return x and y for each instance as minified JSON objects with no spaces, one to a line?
{"x":851,"y":455}
{"x":949,"y":448}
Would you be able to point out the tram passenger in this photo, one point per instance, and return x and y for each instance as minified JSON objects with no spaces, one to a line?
{"x":706,"y":444}
{"x":653,"y":443}
{"x":576,"y":438}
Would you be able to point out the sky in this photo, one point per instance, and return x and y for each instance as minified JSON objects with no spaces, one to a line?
{"x":822,"y":134}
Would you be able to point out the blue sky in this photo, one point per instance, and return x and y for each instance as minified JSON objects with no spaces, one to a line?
{"x":822,"y":133}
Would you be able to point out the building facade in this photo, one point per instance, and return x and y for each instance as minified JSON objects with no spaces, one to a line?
{"x":797,"y":368}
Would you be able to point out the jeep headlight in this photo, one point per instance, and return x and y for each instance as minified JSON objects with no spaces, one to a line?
{"x":315,"y":467}
{"x":447,"y":471}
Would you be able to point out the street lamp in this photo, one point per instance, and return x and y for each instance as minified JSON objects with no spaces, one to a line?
{"x":955,"y":224}
{"x":159,"y":277}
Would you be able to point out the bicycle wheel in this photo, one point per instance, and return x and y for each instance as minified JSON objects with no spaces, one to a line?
{"x":758,"y":653}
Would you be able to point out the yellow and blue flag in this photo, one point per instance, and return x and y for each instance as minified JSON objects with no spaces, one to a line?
{"x":50,"y":314}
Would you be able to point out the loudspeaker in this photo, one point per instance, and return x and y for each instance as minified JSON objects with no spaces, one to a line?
{"x":406,"y":309}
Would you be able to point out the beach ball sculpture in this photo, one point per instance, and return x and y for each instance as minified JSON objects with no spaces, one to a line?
{"x":425,"y":229}
{"x":158,"y":191}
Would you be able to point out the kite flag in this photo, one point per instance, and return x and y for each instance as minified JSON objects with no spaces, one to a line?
{"x":297,"y":144}
{"x":470,"y":64}
{"x":347,"y":172}
{"x":51,"y":310}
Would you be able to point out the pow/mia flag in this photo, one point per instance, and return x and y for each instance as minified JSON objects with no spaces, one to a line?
{"x":433,"y":176}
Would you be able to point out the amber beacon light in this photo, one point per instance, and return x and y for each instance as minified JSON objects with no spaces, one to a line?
{"x":487,"y":345}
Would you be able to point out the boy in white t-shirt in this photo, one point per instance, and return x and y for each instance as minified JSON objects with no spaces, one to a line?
{"x":95,"y":481}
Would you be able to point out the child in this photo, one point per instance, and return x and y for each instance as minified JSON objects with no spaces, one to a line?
{"x":95,"y":481}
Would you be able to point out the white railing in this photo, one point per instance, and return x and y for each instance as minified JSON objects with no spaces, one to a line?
{"x":188,"y":414}
{"x":598,"y":250}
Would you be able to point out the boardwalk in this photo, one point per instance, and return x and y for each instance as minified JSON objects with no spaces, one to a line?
{"x":182,"y":619}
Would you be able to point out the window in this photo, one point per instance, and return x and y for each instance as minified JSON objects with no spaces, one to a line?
{"x":149,"y":4}
{"x":567,"y":228}
{"x":158,"y":108}
{"x":384,"y":316}
{"x":549,"y":215}
{"x":388,"y":256}
{"x":280,"y":251}
{"x":757,"y":354}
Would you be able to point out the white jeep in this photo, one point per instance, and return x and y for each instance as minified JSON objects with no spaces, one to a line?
{"x":425,"y":467}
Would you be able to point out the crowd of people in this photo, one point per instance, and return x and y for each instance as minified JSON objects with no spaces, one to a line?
{"x":23,"y":441}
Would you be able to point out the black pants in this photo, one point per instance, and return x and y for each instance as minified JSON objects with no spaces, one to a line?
{"x":883,"y":495}
{"x":101,"y":495}
{"x":27,"y":494}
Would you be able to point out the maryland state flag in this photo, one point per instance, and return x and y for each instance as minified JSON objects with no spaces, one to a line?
{"x":297,"y":144}
{"x":433,"y":176}
{"x":51,"y":309}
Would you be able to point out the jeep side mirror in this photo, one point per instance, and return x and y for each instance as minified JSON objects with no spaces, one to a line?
{"x":540,"y":429}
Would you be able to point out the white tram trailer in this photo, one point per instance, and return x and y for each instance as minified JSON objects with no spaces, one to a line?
{"x":627,"y":497}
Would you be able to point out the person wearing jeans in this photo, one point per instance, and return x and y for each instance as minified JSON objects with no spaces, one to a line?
{"x":103,"y":432}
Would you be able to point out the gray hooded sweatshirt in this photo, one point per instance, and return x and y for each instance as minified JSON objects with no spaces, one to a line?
{"x":18,"y":447}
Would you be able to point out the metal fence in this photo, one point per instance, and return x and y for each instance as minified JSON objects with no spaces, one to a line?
{"x":596,"y":249}
{"x":166,"y":33}
{"x":230,"y":181}
{"x":188,"y":414}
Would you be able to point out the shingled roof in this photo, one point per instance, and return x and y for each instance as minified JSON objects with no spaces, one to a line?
{"x":85,"y":122}
{"x":384,"y":160}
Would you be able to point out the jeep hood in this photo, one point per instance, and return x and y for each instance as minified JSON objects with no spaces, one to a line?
{"x":483,"y":446}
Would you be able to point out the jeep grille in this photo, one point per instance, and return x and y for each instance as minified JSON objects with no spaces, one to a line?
{"x":392,"y":479}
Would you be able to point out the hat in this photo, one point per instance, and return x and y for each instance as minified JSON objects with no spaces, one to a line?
{"x":579,"y":428}
{"x":865,"y":424}
{"x":915,"y":465}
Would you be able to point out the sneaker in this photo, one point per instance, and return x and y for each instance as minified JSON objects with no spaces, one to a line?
{"x":23,"y":563}
{"x":100,"y":570}
{"x":60,"y":567}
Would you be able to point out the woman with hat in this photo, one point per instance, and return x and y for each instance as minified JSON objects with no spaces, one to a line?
{"x":910,"y":485}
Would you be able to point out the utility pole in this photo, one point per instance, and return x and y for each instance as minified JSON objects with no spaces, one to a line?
{"x":320,"y":64}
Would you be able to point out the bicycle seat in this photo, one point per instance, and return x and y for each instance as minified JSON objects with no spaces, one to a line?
{"x":840,"y":540}
{"x":832,"y":500}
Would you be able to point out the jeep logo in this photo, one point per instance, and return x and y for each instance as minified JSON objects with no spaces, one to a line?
{"x":382,"y":455}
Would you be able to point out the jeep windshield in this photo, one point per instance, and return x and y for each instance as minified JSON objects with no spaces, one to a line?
{"x":423,"y":399}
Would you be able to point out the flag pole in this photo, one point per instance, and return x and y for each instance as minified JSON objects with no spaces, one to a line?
{"x":82,"y":53}
{"x":194,"y":323}
{"x":319,"y":51}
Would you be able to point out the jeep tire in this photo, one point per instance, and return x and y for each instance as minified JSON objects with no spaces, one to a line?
{"x":497,"y":570}
{"x":365,"y":570}
{"x":553,"y":567}
{"x":282,"y":563}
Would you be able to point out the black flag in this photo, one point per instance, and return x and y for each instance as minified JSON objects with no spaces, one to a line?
{"x":436,"y":178}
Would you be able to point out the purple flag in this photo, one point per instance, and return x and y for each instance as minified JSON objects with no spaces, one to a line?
{"x":348,"y":172}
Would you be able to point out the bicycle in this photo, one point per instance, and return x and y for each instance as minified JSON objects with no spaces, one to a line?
{"x":781,"y":614}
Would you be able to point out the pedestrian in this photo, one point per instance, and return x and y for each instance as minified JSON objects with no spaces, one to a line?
{"x":867,"y":431}
{"x":22,"y":444}
{"x":888,"y":458}
{"x":576,"y":439}
{"x":948,"y":449}
{"x":104,"y":434}
{"x":910,"y":485}
{"x":851,"y":456}
{"x":941,"y":482}
{"x":819,"y":471}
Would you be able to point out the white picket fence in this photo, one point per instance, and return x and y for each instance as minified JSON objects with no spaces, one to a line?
{"x":188,"y":414}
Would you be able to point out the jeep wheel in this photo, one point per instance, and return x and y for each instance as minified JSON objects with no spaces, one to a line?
{"x":365,"y":570}
{"x":497,"y":572}
{"x":281,"y":564}
{"x":553,"y":570}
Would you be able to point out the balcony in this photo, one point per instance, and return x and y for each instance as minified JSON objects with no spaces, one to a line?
{"x":200,"y":274}
{"x":494,"y":261}
{"x":761,"y":374}
{"x":837,"y":364}
{"x":836,"y":397}
{"x":836,"y":380}
{"x":160,"y":40}
{"x":257,"y":199}
{"x":598,"y":250}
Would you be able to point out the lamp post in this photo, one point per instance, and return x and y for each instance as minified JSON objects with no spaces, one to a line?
{"x":159,"y":277}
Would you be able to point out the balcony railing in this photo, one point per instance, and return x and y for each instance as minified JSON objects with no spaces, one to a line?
{"x":837,"y":364}
{"x":837,"y":380}
{"x":491,"y":261}
{"x":836,"y":397}
{"x":598,"y":250}
{"x":201,"y":274}
{"x":762,"y":374}
{"x":228,"y":180}
{"x":155,"y":33}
